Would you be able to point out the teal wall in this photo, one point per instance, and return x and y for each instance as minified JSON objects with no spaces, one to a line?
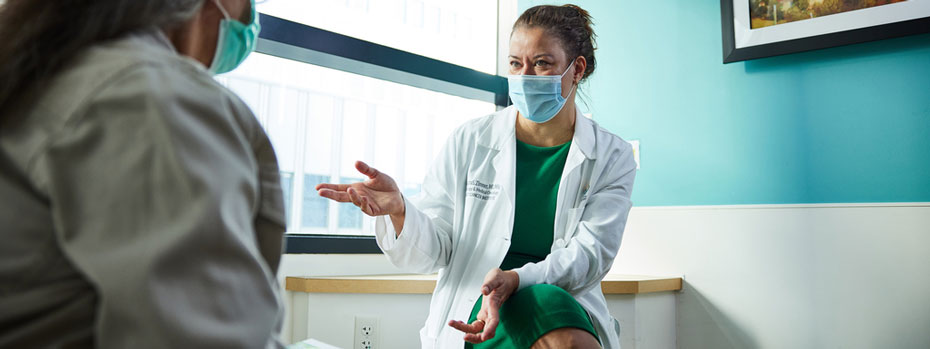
{"x":848,"y":124}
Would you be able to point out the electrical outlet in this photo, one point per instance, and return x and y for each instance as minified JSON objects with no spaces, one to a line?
{"x":366,"y":332}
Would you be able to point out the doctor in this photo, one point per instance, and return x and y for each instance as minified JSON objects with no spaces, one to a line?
{"x":140,"y":202}
{"x":523,"y":212}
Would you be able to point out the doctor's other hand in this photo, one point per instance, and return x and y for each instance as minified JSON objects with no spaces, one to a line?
{"x":377,"y":196}
{"x":497,"y":288}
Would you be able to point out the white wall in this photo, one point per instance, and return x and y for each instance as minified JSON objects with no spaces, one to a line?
{"x":325,"y":265}
{"x":813,"y":276}
{"x":332,"y":317}
{"x":799,"y":276}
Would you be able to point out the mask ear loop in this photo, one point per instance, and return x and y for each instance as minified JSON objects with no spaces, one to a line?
{"x":574,"y":83}
{"x":223,"y":10}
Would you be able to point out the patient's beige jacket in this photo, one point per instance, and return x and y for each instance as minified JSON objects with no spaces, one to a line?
{"x":140,"y":207}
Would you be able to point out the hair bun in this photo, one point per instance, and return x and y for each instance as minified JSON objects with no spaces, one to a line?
{"x":581,"y":12}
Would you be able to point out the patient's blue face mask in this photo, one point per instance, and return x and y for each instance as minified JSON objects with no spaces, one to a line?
{"x":236,"y":41}
{"x":538,"y":97}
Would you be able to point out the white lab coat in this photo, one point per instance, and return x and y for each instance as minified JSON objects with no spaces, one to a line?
{"x":461,"y":223}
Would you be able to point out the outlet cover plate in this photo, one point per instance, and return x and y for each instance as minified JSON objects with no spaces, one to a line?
{"x":367,"y":333}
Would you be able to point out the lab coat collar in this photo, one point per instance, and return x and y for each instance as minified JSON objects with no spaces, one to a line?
{"x":503,"y":127}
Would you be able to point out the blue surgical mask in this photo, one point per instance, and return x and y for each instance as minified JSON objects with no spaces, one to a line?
{"x":236,"y":41}
{"x":537,"y":97}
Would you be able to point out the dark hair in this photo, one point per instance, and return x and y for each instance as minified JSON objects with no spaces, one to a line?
{"x":41,"y":37}
{"x":571,"y":24}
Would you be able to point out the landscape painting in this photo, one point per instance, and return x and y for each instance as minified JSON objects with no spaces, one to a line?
{"x":765,"y":13}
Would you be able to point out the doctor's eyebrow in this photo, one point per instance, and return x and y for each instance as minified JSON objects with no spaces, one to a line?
{"x":536,"y":56}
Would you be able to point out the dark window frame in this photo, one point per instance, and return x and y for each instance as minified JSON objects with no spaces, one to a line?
{"x":295,"y":41}
{"x":334,"y":244}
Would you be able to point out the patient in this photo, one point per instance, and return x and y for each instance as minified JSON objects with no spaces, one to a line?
{"x":140,"y":202}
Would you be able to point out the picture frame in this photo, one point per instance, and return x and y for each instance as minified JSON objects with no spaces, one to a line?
{"x":751,"y":31}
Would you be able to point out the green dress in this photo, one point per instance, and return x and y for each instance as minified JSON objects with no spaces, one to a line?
{"x":538,"y":309}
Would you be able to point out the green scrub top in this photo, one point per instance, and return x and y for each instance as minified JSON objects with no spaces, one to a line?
{"x":539,"y":171}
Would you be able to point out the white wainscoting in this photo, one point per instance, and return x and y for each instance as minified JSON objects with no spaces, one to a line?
{"x":790,"y":276}
{"x":761,"y":276}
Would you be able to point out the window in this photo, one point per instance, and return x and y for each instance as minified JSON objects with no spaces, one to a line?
{"x":327,"y":100}
{"x":322,"y":120}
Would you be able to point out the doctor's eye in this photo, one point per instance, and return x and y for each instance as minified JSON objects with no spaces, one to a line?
{"x":515,"y":64}
{"x":542,"y":64}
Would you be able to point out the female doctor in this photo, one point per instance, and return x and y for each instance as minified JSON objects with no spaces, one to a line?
{"x":523,"y":212}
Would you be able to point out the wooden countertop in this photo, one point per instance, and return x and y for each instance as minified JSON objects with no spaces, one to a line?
{"x":424,"y":284}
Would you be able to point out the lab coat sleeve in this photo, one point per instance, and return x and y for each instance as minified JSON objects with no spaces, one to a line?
{"x":154,"y":196}
{"x":589,"y":254}
{"x":425,"y":242}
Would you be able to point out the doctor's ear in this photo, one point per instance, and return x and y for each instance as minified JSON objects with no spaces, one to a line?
{"x":581,"y":64}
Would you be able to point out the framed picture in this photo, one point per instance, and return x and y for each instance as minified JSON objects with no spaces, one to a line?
{"x":762,"y":28}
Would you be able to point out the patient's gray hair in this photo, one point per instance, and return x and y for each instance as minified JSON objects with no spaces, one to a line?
{"x":39,"y":37}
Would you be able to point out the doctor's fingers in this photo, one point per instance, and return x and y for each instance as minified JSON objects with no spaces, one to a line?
{"x":366,"y":170}
{"x":490,"y":327}
{"x":368,"y":208}
{"x":489,"y":314}
{"x":355,"y":197}
{"x":363,"y":202}
{"x":339,"y":196}
{"x":336,"y":187}
{"x":474,"y":338}
{"x":474,"y":327}
{"x":492,"y":281}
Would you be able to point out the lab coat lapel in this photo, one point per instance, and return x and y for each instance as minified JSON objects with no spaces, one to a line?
{"x":500,"y":138}
{"x":575,"y":176}
{"x":583,"y":137}
{"x":498,"y":167}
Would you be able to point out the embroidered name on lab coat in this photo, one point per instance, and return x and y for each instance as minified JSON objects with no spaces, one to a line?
{"x":483,"y":191}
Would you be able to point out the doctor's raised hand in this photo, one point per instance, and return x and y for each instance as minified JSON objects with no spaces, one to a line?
{"x":378,"y":196}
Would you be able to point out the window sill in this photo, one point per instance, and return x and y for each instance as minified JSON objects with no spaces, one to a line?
{"x":424,"y":284}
